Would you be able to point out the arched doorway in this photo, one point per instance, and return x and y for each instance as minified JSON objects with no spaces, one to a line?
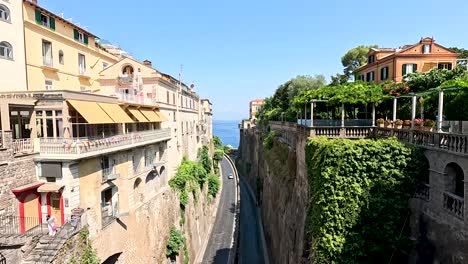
{"x":137,"y":191}
{"x":150,"y":182}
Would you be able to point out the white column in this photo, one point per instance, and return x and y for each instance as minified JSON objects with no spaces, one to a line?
{"x":413,"y":110}
{"x":440,"y":111}
{"x":311,"y":114}
{"x":373,"y":114}
{"x":342,"y":115}
{"x":394,"y":108}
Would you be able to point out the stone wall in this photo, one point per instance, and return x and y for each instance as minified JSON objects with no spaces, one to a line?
{"x":283,"y":206}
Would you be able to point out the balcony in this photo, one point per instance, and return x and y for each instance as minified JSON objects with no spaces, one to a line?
{"x":109,"y":215}
{"x":48,"y":64}
{"x":23,"y":146}
{"x":454,"y":204}
{"x":83,"y":73}
{"x":109,"y":174}
{"x":131,"y":98}
{"x":128,"y":79}
{"x":76,"y":148}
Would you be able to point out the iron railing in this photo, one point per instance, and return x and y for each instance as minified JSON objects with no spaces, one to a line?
{"x":109,"y":174}
{"x":16,"y":225}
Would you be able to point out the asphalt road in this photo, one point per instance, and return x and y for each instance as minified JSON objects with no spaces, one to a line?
{"x":220,"y":243}
{"x":250,"y":238}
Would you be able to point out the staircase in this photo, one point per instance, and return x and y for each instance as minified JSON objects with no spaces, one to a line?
{"x":47,"y":247}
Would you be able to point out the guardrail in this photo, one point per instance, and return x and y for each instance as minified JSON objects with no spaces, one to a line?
{"x":16,"y":225}
{"x":233,"y":254}
{"x":23,"y":145}
{"x":454,"y":204}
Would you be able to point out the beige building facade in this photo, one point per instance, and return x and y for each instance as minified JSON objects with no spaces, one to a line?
{"x":12,"y":55}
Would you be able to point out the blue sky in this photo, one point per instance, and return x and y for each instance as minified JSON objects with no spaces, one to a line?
{"x":235,"y":51}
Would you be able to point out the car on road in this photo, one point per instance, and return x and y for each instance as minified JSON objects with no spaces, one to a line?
{"x":230,"y":176}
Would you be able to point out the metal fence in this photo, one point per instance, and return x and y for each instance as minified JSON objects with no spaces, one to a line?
{"x":15,"y":225}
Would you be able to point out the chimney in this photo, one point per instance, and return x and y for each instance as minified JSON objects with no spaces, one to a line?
{"x":147,"y":63}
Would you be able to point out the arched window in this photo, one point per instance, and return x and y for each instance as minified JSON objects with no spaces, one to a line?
{"x":6,"y":50}
{"x":61,"y":58}
{"x":4,"y":13}
{"x":454,"y":179}
{"x":138,"y":191}
{"x":127,"y":70}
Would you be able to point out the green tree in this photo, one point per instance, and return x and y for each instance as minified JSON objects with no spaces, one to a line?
{"x":339,"y":79}
{"x":204,"y":158}
{"x":303,"y":83}
{"x":355,"y":58}
{"x":89,"y":256}
{"x":213,"y":185}
{"x":462,"y":53}
{"x":217,"y":142}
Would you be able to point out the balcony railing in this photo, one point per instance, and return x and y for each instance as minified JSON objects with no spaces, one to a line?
{"x":15,"y":225}
{"x":450,"y":142}
{"x":454,"y":204}
{"x":81,"y":146}
{"x":125,"y":79}
{"x":422,"y":191}
{"x":109,"y":215}
{"x":130,"y":98}
{"x":109,"y":174}
{"x":23,"y":145}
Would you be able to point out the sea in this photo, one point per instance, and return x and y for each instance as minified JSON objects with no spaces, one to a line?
{"x":227,"y":131}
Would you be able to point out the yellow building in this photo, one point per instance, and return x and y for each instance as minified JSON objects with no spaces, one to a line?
{"x":59,"y":54}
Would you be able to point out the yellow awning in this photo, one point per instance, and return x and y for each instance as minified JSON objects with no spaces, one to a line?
{"x":91,"y":111}
{"x":161,"y":116}
{"x":151,"y":115}
{"x":116,"y":112}
{"x":138,"y":115}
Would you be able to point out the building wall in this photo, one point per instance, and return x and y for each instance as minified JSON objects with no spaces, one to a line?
{"x":12,"y":32}
{"x":64,"y":76}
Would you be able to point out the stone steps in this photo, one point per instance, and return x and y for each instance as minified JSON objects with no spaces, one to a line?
{"x":46,"y":248}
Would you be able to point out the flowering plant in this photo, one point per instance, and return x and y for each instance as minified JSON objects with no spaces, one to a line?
{"x":407,"y":123}
{"x":380,"y":121}
{"x":388,"y":122}
{"x":418,"y":122}
{"x":398,"y":122}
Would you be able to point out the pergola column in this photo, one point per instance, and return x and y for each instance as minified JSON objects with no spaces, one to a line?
{"x":394,"y":108}
{"x":440,"y":111}
{"x":312,"y":114}
{"x":342,"y":115}
{"x":413,"y":110}
{"x":305,"y":114}
{"x":373,"y":114}
{"x":421,"y":109}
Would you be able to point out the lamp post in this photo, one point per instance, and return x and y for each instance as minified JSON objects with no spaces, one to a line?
{"x":440,"y":111}
{"x":413,"y":110}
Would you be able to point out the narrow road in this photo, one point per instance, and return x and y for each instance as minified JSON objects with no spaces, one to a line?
{"x":220,"y":243}
{"x":250,"y":238}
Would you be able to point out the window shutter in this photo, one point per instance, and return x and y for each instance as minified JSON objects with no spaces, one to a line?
{"x":415,"y":67}
{"x":85,"y":38}
{"x":403,"y":69}
{"x":52,"y":23}
{"x":38,"y":17}
{"x":75,"y":34}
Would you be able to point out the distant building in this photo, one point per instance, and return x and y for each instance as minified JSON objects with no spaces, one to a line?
{"x":385,"y":64}
{"x":255,"y":106}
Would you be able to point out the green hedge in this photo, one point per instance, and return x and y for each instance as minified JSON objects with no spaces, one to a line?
{"x":359,"y":199}
{"x":213,"y":185}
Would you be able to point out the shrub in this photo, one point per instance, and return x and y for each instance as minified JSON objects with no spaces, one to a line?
{"x":213,"y":185}
{"x":218,"y":155}
{"x":204,"y":158}
{"x":268,"y":140}
{"x":89,"y":256}
{"x":175,"y":242}
{"x":380,"y":121}
{"x":398,"y":122}
{"x":429,"y":123}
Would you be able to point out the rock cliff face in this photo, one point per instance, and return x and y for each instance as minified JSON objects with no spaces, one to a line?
{"x":279,"y":178}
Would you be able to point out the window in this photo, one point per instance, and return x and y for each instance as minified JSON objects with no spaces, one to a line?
{"x":47,"y":53}
{"x":80,"y":36}
{"x":409,"y":68}
{"x":49,"y":85}
{"x":445,"y":65}
{"x":384,"y":73}
{"x":370,"y":76}
{"x":4,"y":13}
{"x":361,"y":77}
{"x":61,"y":61}
{"x":6,"y":50}
{"x":45,"y":20}
{"x":167,"y":93}
{"x":105,"y":65}
{"x":371,"y":59}
{"x":426,"y":48}
{"x":82,"y":63}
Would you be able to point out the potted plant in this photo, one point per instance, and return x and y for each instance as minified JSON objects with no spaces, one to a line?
{"x":429,"y":125}
{"x":399,"y":124}
{"x":380,"y":122}
{"x":418,"y":123}
{"x":388,"y":123}
{"x":407,"y":124}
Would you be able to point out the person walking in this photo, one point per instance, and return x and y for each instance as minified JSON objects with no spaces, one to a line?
{"x":51,"y":225}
